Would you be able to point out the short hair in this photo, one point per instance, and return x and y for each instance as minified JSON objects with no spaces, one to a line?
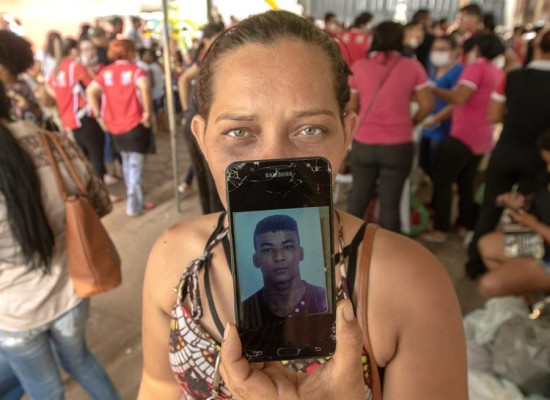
{"x":121,"y":49}
{"x":329,"y":15}
{"x":490,"y":45}
{"x":362,"y":19}
{"x":544,"y":141}
{"x":67,"y":46}
{"x":451,"y":39}
{"x":419,"y":15}
{"x":276,"y":223}
{"x":116,"y":20}
{"x":98,"y":32}
{"x":15,"y":53}
{"x":388,"y":36}
{"x":473,"y":9}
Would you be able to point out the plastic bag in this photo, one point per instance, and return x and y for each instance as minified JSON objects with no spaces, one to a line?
{"x":521,"y":354}
{"x":484,"y":386}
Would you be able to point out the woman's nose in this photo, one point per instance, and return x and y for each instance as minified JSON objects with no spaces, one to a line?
{"x":276,"y":144}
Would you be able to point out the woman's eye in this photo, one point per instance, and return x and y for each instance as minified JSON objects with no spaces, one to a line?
{"x":311,"y":130}
{"x":236,"y":132}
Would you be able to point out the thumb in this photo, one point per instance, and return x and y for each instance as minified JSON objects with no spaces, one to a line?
{"x":349,"y":345}
{"x":233,"y":368}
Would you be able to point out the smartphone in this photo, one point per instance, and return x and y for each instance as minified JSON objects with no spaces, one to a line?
{"x":281,"y":231}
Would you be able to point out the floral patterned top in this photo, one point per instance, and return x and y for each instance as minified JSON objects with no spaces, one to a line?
{"x":193,"y":352}
{"x":24,"y":105}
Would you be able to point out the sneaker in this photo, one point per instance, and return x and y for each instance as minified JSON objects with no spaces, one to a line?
{"x":148,"y":206}
{"x":344,"y":178}
{"x":435,"y":237}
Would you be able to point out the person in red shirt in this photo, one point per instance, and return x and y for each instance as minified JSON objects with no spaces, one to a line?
{"x":126,"y":105}
{"x":67,"y":83}
{"x":355,"y":42}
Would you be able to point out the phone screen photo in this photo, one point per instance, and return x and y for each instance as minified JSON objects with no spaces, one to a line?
{"x":280,"y":214}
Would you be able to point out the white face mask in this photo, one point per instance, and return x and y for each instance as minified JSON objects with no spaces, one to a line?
{"x":440,"y":58}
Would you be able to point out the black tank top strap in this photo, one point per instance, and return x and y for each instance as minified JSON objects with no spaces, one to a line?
{"x":352,"y":260}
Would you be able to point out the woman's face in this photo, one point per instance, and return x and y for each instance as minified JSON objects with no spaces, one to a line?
{"x":274,"y":101}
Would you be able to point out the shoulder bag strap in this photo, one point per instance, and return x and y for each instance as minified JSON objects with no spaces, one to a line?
{"x":47,"y":148}
{"x":70,"y":166}
{"x":362,"y":306}
{"x":377,"y":90}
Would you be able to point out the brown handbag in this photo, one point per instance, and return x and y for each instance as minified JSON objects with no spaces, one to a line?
{"x":92,"y":259}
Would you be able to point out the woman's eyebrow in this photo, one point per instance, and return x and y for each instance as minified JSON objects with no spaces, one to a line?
{"x":235,"y":117}
{"x":313,"y":113}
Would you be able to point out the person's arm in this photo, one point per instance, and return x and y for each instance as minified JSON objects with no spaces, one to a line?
{"x":157,"y":380}
{"x":425,"y":100}
{"x":144,"y":87}
{"x":460,"y":94}
{"x":184,"y":85}
{"x":441,"y":116}
{"x":415,"y":323}
{"x":497,"y":109}
{"x":93,"y":93}
{"x":529,"y":220}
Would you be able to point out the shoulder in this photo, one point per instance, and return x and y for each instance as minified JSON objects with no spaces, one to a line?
{"x":405,"y":281}
{"x":172,"y":253}
{"x":316,"y":291}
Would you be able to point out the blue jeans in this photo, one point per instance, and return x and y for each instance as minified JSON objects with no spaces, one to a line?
{"x":10,"y":388}
{"x":132,"y":166}
{"x":31,"y":356}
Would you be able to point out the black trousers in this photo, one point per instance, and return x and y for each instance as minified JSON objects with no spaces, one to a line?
{"x":457,"y":164}
{"x":388,"y":164}
{"x":509,"y":165}
{"x":91,"y":139}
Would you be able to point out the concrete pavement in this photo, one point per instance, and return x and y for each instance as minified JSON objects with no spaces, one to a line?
{"x":114,"y":328}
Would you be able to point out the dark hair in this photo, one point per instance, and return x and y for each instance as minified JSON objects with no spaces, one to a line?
{"x":387,"y":36}
{"x":489,"y":45}
{"x":544,"y":141}
{"x":116,"y":20}
{"x":451,"y":39}
{"x":329,"y":15}
{"x":362,"y":19}
{"x":490,"y":22}
{"x":473,"y":9}
{"x":53,"y":38}
{"x":544,"y":43}
{"x":15,"y":53}
{"x":266,"y":29}
{"x":419,"y":15}
{"x":20,"y":187}
{"x":211,"y":30}
{"x":69,"y":44}
{"x":276,"y":223}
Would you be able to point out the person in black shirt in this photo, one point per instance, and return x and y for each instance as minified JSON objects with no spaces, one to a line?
{"x":422,"y":17}
{"x":523,"y":107}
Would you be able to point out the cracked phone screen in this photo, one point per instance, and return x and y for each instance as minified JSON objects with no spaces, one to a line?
{"x":280,"y":214}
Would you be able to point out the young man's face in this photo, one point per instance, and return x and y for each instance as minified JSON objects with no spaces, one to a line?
{"x":468,"y":23}
{"x":278,"y":255}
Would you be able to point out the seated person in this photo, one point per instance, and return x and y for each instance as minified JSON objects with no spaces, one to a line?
{"x":520,"y":275}
{"x":278,"y":255}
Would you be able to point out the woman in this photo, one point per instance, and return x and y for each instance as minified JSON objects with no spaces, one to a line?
{"x":68,"y":84}
{"x":520,"y":275}
{"x":40,"y":312}
{"x":471,"y":137}
{"x":521,"y":102}
{"x":125,"y":112}
{"x":445,"y":72}
{"x":276,"y":86}
{"x":383,"y":86}
{"x":15,"y":58}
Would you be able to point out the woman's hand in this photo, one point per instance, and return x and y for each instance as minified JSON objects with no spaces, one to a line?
{"x":524,"y":218}
{"x":341,"y":377}
{"x":514,"y":201}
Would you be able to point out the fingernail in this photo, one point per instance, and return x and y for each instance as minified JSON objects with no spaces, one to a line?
{"x":348,"y":313}
{"x":226,"y":331}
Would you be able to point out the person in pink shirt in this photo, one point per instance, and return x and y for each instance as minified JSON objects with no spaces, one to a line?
{"x":471,"y":137}
{"x":383,"y":86}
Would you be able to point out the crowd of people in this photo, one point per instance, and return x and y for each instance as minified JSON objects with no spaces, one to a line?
{"x":371,"y":98}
